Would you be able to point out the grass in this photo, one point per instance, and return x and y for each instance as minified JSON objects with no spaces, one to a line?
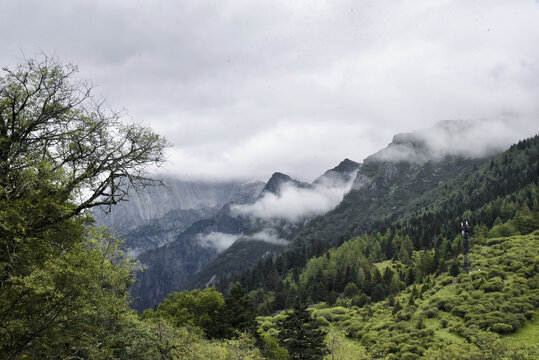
{"x":528,"y":334}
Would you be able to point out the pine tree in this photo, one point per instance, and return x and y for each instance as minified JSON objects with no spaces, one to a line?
{"x":300,"y":335}
{"x":239,"y":312}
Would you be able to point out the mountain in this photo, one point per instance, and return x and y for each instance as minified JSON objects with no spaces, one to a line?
{"x":399,"y":286}
{"x":232,"y":240}
{"x":156,"y":201}
{"x":157,"y":232}
{"x":500,"y":195}
{"x":170,"y":267}
{"x":392,"y":185}
{"x":154,"y":216}
{"x":273,"y":228}
{"x":345,"y":172}
{"x":278,"y":181}
{"x":388,"y":182}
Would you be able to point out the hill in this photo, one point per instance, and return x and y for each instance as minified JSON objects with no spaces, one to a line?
{"x":492,"y":310}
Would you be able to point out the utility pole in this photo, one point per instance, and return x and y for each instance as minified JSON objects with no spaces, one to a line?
{"x":465,"y":228}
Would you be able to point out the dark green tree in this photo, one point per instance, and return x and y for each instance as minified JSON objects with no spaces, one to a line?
{"x":301,"y":336}
{"x":240,"y":315}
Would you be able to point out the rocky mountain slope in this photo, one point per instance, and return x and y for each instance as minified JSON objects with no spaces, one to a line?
{"x":155,"y":202}
{"x":154,"y":216}
{"x":236,"y":237}
{"x":270,"y":235}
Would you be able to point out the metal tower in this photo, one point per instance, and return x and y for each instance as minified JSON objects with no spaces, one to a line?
{"x":465,"y":228}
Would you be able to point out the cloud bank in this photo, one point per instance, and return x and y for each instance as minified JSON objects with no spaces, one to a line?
{"x":295,"y":204}
{"x":470,"y":139}
{"x":243,"y":88}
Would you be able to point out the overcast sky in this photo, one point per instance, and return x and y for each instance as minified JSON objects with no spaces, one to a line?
{"x":246,"y":88}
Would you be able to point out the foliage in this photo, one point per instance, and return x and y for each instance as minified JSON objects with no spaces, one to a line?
{"x":170,"y":342}
{"x":199,"y":308}
{"x":75,"y":304}
{"x":207,"y":312}
{"x":63,"y":285}
{"x":447,"y":316}
{"x":239,"y":312}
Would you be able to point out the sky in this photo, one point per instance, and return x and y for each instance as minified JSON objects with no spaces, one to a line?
{"x":247,"y":88}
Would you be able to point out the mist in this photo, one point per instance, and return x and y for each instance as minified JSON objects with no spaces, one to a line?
{"x":218,"y":240}
{"x":471,"y":139}
{"x":270,"y":236}
{"x":296,"y":204}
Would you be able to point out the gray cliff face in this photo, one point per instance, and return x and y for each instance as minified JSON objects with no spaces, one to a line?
{"x":155,"y":216}
{"x":169,"y":268}
{"x":155,"y":202}
{"x":158,"y":232}
{"x":162,"y":228}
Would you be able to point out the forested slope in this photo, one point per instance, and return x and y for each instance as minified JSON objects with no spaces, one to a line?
{"x":492,"y":194}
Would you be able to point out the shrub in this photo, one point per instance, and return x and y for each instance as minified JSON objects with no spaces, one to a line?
{"x":501,"y":328}
{"x":494,"y":284}
{"x":351,"y":290}
{"x":503,"y":230}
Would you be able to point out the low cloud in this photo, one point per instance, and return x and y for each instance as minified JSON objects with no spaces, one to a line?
{"x":218,"y":240}
{"x":270,"y":236}
{"x":471,"y":139}
{"x":295,"y":204}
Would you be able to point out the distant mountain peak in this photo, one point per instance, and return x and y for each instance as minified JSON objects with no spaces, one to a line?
{"x":279,"y":179}
{"x":344,"y":172}
{"x":347,"y":166}
{"x":472,"y":139}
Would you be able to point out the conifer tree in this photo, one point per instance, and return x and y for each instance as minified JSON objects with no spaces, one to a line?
{"x":300,"y":335}
{"x":240,"y":313}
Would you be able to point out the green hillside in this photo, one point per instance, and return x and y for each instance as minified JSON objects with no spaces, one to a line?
{"x":492,"y":310}
{"x":500,"y":190}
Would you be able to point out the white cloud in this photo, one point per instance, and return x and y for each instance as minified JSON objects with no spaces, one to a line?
{"x":218,"y":240}
{"x":295,"y":204}
{"x":464,"y":138}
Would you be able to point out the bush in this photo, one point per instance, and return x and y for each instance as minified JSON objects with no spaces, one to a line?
{"x":494,"y":284}
{"x":501,"y":328}
{"x":503,"y":230}
{"x":351,"y":290}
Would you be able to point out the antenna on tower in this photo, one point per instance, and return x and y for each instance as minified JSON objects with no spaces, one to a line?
{"x":465,"y":228}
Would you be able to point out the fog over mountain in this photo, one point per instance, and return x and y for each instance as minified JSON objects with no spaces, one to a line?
{"x":218,"y":240}
{"x":470,"y":139}
{"x":294,"y":203}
